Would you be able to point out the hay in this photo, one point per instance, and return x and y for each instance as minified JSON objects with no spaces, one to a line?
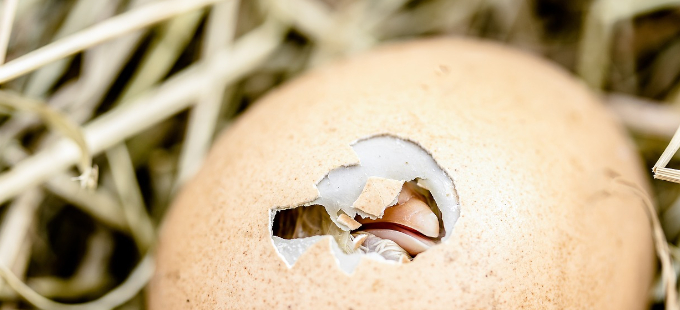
{"x":116,"y":81}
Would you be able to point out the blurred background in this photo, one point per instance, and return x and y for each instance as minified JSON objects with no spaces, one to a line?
{"x":143,"y":87}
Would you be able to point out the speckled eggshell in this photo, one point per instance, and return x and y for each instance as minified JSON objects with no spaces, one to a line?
{"x":535,"y":157}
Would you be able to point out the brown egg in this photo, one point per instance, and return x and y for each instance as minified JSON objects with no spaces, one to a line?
{"x":519,"y":162}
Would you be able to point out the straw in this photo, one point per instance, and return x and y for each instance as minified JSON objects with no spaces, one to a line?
{"x":112,"y":28}
{"x":134,"y":283}
{"x":61,"y":123}
{"x":8,"y":11}
{"x":220,"y":32}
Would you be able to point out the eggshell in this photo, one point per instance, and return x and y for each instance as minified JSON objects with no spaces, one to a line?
{"x":535,"y":158}
{"x":378,"y":194}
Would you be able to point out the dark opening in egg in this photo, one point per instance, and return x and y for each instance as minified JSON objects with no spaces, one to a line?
{"x":409,"y":227}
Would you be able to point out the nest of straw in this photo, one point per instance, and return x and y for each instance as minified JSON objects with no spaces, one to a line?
{"x":108,"y":107}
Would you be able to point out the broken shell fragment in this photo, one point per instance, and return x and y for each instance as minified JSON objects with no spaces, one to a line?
{"x":348,"y":221}
{"x":358,"y":240}
{"x":378,"y":194}
{"x":404,"y":259}
{"x":412,"y":211}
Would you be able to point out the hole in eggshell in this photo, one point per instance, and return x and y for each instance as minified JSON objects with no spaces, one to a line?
{"x":404,"y":230}
{"x":393,"y":205}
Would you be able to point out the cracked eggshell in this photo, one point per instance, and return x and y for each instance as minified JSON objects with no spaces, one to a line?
{"x":533,"y":154}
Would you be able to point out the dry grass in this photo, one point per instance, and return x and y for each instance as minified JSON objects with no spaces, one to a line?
{"x":139,"y":88}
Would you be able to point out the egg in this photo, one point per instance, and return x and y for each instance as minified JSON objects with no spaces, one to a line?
{"x":432,"y":174}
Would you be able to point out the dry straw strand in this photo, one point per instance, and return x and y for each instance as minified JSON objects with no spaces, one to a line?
{"x":220,"y":32}
{"x":20,"y":266}
{"x":88,"y":279}
{"x":16,"y":225}
{"x":83,"y":14}
{"x":8,"y":12}
{"x":112,"y":28}
{"x":163,"y":53}
{"x":58,"y":122}
{"x":119,"y":295}
{"x":667,"y":174}
{"x":659,"y":169}
{"x":99,"y":204}
{"x":126,"y":183}
{"x":596,"y":39}
{"x":660,"y":244}
{"x":645,"y":116}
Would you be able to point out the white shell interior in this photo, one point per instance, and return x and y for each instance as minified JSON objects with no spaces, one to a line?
{"x":381,"y":156}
